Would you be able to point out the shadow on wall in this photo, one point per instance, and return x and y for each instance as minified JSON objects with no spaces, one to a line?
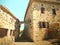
{"x":25,"y":37}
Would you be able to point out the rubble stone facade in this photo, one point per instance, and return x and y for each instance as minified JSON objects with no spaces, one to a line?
{"x":8,"y":22}
{"x":40,"y":18}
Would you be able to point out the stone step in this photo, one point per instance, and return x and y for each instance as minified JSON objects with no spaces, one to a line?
{"x":23,"y":43}
{"x":33,"y":43}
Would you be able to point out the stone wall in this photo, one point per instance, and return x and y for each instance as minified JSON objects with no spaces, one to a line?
{"x":8,"y":21}
{"x":34,"y":14}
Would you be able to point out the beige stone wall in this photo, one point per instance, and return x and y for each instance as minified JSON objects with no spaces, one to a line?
{"x":36,"y":16}
{"x":9,"y":22}
{"x":6,"y":20}
{"x":46,"y":17}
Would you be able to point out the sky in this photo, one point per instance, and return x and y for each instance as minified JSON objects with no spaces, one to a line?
{"x":17,"y":7}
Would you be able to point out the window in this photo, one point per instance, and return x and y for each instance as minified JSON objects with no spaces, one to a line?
{"x":29,"y":21}
{"x":10,"y":32}
{"x":54,"y":11}
{"x":42,"y":9}
{"x":43,"y":24}
{"x":47,"y":24}
{"x":3,"y":32}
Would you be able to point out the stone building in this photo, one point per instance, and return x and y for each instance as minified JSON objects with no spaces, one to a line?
{"x":9,"y":24}
{"x":42,"y":20}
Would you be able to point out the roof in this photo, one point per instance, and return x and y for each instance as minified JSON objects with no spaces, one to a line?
{"x":45,"y":1}
{"x":7,"y":11}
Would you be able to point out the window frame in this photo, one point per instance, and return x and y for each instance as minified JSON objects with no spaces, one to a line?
{"x":43,"y":24}
{"x":42,"y":10}
{"x":54,"y":11}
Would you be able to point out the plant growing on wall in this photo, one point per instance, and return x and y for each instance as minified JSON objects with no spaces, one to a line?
{"x":54,"y":27}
